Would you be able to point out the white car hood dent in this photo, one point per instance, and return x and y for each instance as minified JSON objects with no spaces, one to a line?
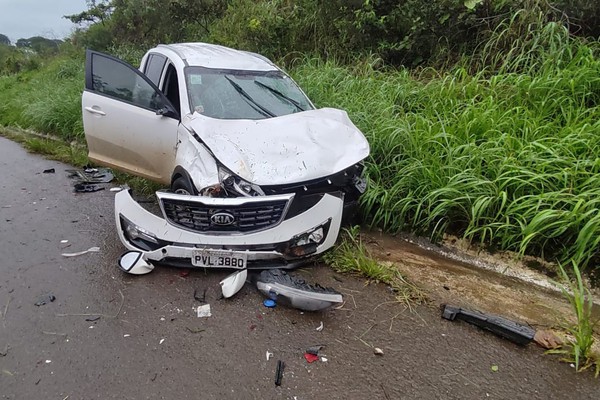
{"x":288,"y":149}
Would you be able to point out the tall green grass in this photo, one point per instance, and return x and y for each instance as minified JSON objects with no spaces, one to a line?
{"x":508,"y":156}
{"x":47,"y":100}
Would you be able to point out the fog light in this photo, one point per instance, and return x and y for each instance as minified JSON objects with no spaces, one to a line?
{"x":306,"y":243}
{"x":316,"y":236}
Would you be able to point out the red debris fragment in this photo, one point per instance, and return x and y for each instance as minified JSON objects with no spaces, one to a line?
{"x":311,"y":357}
{"x":184,"y":273}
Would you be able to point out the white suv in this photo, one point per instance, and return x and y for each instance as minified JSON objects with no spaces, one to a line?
{"x":258,"y":177}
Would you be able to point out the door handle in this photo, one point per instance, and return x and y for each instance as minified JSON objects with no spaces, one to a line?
{"x":94,"y":111}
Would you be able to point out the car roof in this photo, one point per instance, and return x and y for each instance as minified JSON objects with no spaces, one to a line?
{"x":219,"y":57}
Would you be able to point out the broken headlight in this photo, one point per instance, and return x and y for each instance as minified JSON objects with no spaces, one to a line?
{"x":236,"y":186}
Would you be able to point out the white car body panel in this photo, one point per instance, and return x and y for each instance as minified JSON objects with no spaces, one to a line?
{"x":288,"y":149}
{"x":129,"y":138}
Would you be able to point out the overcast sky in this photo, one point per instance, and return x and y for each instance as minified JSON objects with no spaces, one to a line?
{"x":27,"y":18}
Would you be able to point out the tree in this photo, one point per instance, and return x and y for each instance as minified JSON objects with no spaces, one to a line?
{"x":4,"y":40}
{"x":98,"y":11}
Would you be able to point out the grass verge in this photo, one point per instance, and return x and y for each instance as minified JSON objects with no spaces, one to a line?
{"x":350,"y":255}
{"x":579,"y":348}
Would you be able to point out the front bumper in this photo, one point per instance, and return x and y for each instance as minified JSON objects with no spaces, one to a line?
{"x":275,"y":246}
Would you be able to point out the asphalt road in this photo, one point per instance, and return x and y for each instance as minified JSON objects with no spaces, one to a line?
{"x":149,"y":344}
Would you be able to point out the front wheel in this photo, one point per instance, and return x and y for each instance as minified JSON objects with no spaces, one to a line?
{"x":181,"y":186}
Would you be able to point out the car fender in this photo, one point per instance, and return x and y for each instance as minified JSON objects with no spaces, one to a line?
{"x":196,"y":161}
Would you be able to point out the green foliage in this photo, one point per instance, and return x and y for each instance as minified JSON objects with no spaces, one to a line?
{"x":582,"y":332}
{"x":4,"y":40}
{"x":350,"y":255}
{"x":507,"y":159}
{"x":47,"y":100}
{"x":98,"y":11}
{"x":148,"y":22}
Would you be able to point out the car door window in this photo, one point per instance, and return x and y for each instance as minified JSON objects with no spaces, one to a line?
{"x":171,"y":87}
{"x":116,"y":79}
{"x":154,"y":67}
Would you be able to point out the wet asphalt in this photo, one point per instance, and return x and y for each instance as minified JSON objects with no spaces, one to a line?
{"x":108,"y":335}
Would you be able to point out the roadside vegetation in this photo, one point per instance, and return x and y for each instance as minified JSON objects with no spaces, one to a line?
{"x":352,"y":256}
{"x":482,"y":115}
{"x":581,"y":333}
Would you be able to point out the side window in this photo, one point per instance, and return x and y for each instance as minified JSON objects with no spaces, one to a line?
{"x":121,"y":81}
{"x":154,"y":67}
{"x":171,"y":87}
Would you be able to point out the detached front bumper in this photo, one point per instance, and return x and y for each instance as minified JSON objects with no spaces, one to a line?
{"x":295,"y":231}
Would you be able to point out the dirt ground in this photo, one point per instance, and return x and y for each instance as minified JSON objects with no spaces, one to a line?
{"x":149,"y":344}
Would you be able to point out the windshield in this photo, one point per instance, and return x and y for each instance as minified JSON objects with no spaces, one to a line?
{"x":233,"y":94}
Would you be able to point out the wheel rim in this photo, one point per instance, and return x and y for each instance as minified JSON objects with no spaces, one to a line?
{"x":182,"y":192}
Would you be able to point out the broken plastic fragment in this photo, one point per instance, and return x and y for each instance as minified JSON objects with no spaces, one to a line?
{"x":91,"y":175}
{"x":311,"y":358}
{"x":269,"y":303}
{"x":49,"y":171}
{"x":86,"y":188}
{"x":45,"y":299}
{"x":513,"y":331}
{"x":278,"y":285}
{"x":314,"y":349}
{"x":80,"y":253}
{"x":323,"y":359}
{"x":116,"y":189}
{"x":203,"y":311}
{"x":233,"y":283}
{"x":320,"y":327}
{"x":377,"y":351}
{"x":279,"y":372}
{"x":269,"y":355}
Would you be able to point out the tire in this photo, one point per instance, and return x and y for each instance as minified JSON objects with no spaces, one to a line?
{"x":181,"y":186}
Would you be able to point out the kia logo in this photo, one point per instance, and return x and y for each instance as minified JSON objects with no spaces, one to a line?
{"x":222,"y":218}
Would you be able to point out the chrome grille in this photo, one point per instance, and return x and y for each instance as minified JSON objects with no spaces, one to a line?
{"x":247,"y":217}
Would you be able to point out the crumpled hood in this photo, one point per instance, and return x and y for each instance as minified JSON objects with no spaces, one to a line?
{"x":292,"y":148}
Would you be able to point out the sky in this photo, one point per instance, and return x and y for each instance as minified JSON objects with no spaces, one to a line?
{"x":27,"y":18}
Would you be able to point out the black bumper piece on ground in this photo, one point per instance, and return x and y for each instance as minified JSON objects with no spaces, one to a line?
{"x":513,"y":331}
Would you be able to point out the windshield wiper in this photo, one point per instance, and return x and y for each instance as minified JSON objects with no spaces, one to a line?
{"x":283,"y":96}
{"x":250,"y":100}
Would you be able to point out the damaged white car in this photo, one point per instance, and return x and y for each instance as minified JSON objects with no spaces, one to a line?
{"x":257,"y":177}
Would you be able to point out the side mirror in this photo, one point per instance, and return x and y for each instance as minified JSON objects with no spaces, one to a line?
{"x":133,"y":263}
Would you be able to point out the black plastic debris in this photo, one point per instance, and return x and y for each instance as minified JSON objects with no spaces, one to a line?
{"x":93,"y":319}
{"x":314,"y":350}
{"x":200,"y":297}
{"x":86,"y":188}
{"x":294,"y":292}
{"x":45,"y":299}
{"x":279,"y":372}
{"x":513,"y":331}
{"x":49,"y":171}
{"x":91,"y":175}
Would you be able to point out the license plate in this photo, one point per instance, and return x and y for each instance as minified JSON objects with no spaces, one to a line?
{"x":219,"y":259}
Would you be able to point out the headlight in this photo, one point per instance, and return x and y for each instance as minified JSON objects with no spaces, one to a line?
{"x":134,"y":232}
{"x":235,"y":185}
